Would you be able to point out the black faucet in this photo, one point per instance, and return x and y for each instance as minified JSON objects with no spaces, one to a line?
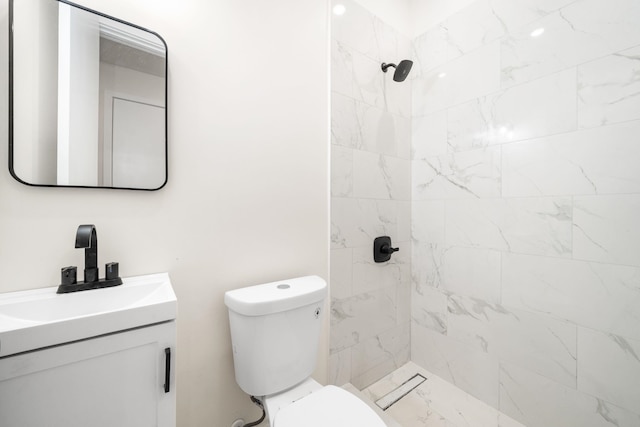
{"x":87,"y":238}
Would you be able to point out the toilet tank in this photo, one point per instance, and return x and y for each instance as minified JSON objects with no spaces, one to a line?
{"x":275,"y":331}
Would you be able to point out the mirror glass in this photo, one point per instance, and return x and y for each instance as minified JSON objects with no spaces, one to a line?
{"x":88,"y":99}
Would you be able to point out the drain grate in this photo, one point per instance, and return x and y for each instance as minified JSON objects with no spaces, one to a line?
{"x":386,"y":401}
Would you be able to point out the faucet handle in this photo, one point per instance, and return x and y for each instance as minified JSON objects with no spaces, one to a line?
{"x":69,"y":275}
{"x":112,"y":271}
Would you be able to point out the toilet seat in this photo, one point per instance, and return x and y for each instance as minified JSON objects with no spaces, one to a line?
{"x":330,"y":406}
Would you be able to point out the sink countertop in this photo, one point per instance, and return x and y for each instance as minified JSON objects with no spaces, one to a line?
{"x":39,"y":318}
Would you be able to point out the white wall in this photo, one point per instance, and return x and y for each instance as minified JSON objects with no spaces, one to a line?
{"x":247,"y":198}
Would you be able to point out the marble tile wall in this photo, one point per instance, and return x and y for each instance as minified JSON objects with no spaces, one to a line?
{"x":525,"y":200}
{"x":370,"y":197}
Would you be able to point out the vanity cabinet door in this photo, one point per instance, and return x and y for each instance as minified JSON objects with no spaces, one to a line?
{"x":108,"y":381}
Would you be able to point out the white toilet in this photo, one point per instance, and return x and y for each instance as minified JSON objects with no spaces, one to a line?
{"x":275,"y":330}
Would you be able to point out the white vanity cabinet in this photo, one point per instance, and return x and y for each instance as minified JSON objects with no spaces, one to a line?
{"x":121,"y":378}
{"x":114,"y":380}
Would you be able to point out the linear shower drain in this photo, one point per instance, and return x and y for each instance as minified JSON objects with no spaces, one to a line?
{"x":386,"y":401}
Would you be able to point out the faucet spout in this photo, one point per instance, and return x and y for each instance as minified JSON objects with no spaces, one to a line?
{"x":87,"y":238}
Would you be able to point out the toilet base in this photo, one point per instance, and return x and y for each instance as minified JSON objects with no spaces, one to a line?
{"x":273,"y":403}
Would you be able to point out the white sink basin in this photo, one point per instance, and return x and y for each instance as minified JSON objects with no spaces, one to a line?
{"x":40,"y":318}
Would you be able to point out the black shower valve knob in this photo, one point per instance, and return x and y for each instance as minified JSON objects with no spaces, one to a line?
{"x":387,"y":249}
{"x":382,"y":249}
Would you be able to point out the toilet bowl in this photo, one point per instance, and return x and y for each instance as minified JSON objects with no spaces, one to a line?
{"x":275,"y":331}
{"x":321,"y":406}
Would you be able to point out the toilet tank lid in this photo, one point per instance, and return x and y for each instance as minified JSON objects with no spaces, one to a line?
{"x":276,"y":297}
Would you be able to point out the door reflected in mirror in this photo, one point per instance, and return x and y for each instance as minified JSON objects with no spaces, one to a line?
{"x":88,"y":99}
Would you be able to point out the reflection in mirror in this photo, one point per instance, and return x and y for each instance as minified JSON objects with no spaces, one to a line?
{"x":87,"y":99}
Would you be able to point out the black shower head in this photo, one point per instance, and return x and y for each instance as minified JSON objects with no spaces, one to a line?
{"x":402,"y":69}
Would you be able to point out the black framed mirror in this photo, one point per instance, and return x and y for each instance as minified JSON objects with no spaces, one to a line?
{"x":87,"y":99}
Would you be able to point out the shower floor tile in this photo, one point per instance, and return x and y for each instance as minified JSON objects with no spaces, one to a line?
{"x":435,"y":403}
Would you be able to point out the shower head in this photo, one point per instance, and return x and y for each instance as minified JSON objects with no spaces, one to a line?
{"x":402,"y":69}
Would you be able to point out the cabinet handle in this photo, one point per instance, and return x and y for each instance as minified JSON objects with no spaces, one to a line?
{"x":167,"y":369}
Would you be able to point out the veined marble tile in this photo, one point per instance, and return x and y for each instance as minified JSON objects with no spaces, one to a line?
{"x":356,"y":76}
{"x":377,"y":176}
{"x":429,"y":308}
{"x":580,"y":32}
{"x":377,"y":356}
{"x":486,"y":20}
{"x":476,"y":223}
{"x":474,"y":125}
{"x":542,"y":107}
{"x":609,"y":89}
{"x":602,"y":160}
{"x":469,"y":174}
{"x":386,"y":419}
{"x":429,"y":136}
{"x":402,"y":128}
{"x":506,"y":421}
{"x":540,"y":226}
{"x":345,"y":122}
{"x":515,"y":13}
{"x":425,"y":183}
{"x":341,"y":273}
{"x":429,"y":92}
{"x":392,"y":136}
{"x":413,"y":411}
{"x":609,"y":368}
{"x":362,"y":316}
{"x":426,"y":264}
{"x":403,"y":303}
{"x":340,"y":367}
{"x":605,"y":297}
{"x":356,"y":28}
{"x":429,"y":50}
{"x":341,"y":171}
{"x":369,"y":275}
{"x":473,"y":371}
{"x":404,"y":220}
{"x":472,"y":272}
{"x":474,"y":26}
{"x":397,"y":95}
{"x":391,"y":381}
{"x":357,"y":125}
{"x":451,"y":84}
{"x":356,"y":222}
{"x":536,"y":401}
{"x":539,"y":343}
{"x":427,"y":221}
{"x":456,"y":407}
{"x":606,"y":229}
{"x":436,"y":402}
{"x":367,"y":34}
